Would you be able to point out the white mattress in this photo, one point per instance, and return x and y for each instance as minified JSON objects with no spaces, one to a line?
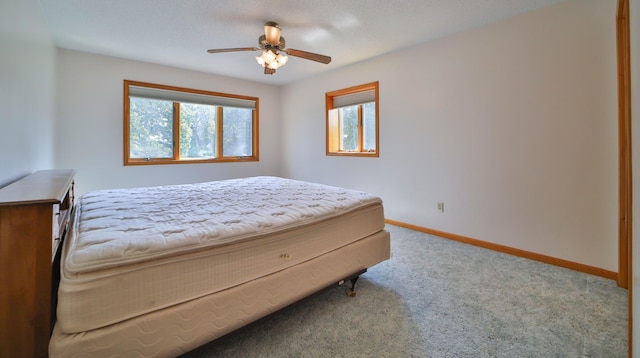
{"x":128,"y":253}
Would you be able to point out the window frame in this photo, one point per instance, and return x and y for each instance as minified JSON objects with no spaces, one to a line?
{"x":333,"y":142}
{"x":176,"y":127}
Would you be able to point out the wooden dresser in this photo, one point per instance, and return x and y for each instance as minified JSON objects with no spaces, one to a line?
{"x":34,"y":214}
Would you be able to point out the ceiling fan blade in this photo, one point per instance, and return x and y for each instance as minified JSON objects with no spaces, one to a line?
{"x":308,"y":55}
{"x":218,"y":50}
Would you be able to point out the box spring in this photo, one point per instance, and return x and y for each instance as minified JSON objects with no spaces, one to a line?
{"x":178,"y":329}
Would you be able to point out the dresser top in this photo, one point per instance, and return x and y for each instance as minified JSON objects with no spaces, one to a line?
{"x":44,"y":186}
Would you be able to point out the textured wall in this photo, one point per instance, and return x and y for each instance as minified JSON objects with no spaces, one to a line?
{"x":90,"y":122}
{"x":512,"y":125}
{"x":27,"y":81}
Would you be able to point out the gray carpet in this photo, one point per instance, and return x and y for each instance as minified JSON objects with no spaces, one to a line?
{"x":440,"y":298}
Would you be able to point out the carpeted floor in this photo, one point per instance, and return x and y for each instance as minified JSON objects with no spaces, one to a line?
{"x":440,"y":298}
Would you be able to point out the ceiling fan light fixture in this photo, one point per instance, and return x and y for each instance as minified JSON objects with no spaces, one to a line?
{"x":272,"y":60}
{"x":268,"y":56}
{"x":282,"y":59}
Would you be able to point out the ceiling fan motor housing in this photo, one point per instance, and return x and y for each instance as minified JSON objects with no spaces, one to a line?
{"x":272,"y":32}
{"x":265,"y":45}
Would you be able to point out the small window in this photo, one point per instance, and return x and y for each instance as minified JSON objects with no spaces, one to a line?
{"x":166,"y":125}
{"x":352,"y":121}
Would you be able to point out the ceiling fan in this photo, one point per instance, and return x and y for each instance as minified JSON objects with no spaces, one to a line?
{"x":273,"y":47}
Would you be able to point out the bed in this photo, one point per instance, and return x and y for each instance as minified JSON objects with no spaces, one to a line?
{"x":159,"y":271}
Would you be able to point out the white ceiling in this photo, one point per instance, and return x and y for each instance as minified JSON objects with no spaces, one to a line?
{"x":178,"y":32}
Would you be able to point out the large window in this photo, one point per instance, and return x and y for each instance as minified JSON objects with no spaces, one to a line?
{"x":165,"y":125}
{"x":352,"y":121}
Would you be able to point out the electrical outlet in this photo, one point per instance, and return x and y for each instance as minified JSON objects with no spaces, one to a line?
{"x":441,"y":207}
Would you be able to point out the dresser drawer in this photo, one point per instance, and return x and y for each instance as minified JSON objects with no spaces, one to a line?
{"x":61,"y":215}
{"x":56,"y":234}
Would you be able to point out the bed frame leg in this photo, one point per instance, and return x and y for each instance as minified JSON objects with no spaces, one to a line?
{"x":351,"y":291}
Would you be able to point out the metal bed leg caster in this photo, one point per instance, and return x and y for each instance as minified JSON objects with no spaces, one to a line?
{"x":351,"y":291}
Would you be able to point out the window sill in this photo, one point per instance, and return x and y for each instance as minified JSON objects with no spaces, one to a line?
{"x":353,"y":154}
{"x":189,"y":161}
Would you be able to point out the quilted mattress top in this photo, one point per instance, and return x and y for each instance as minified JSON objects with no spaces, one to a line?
{"x":124,"y":226}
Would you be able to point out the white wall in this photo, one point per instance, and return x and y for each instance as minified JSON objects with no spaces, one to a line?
{"x":634,"y":24}
{"x":90,"y":122}
{"x":27,"y":80}
{"x":512,"y":125}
